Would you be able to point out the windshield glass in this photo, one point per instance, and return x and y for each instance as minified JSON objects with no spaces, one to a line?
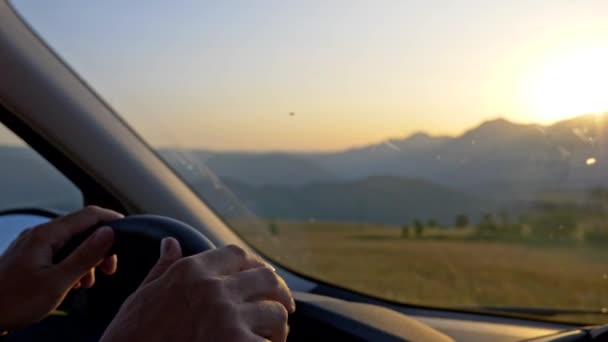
{"x":440,"y":153}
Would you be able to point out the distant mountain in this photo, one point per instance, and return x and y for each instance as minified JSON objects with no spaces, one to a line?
{"x":496,"y":164}
{"x":250,"y":168}
{"x":270,"y":168}
{"x":498,"y":158}
{"x":391,"y":157}
{"x":27,"y":180}
{"x":382,"y":199}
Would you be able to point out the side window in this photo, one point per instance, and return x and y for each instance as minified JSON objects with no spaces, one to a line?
{"x":28,"y":181}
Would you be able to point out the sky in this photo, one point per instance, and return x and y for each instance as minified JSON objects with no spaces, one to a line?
{"x":327,"y":75}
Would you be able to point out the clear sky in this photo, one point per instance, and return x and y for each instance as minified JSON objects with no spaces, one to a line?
{"x":227,"y":74}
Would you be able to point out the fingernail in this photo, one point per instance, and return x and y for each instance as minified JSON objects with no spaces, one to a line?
{"x":270,"y":266}
{"x":165,"y":246}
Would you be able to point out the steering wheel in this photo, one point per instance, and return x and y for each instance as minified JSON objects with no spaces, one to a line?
{"x":137,"y":245}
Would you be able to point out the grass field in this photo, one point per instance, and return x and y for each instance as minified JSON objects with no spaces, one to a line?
{"x":443,"y":268}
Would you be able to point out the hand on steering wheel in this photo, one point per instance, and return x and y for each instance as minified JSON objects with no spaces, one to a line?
{"x":213,"y":294}
{"x":223,"y":294}
{"x":32,"y":285}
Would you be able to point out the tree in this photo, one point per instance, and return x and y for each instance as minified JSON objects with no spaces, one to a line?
{"x":431,"y":223}
{"x":487,"y":226}
{"x":461,"y":221}
{"x":405,"y":231}
{"x":418,"y":228}
{"x":273,"y":227}
{"x":505,"y":221}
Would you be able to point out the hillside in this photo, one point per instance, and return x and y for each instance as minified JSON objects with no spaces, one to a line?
{"x":382,"y":199}
{"x":270,"y":168}
{"x":393,"y":181}
{"x":253,"y":168}
{"x":498,"y":159}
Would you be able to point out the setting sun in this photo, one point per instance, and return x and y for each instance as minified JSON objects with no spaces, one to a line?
{"x":570,"y":83}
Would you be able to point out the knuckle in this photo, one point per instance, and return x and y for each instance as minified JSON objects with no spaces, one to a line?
{"x":270,"y":278}
{"x":92,"y":209}
{"x":189,"y":270}
{"x":226,"y":309}
{"x":283,"y":313}
{"x":184,"y":267}
{"x":37,"y":233}
{"x":236,"y":250}
{"x":214,"y":285}
{"x":85,"y":255}
{"x":279,"y":312}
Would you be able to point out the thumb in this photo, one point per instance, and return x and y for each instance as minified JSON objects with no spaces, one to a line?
{"x":170,"y":252}
{"x":92,"y":251}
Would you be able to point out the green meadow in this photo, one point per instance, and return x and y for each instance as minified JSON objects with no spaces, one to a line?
{"x":443,"y":267}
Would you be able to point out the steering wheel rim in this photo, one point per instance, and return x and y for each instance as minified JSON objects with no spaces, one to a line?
{"x":150,"y":227}
{"x":157,"y":228}
{"x":137,"y":245}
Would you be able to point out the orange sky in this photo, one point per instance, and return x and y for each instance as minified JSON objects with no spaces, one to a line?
{"x":227,"y":75}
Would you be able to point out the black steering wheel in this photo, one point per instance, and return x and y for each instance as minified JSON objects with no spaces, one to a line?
{"x":137,"y":245}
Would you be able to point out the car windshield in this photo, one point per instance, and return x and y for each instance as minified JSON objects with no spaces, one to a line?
{"x":449,"y":154}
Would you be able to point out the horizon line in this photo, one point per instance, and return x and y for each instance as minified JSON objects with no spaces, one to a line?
{"x":386,"y":141}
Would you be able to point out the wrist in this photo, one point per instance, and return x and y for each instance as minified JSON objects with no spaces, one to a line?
{"x":3,"y":329}
{"x":9,"y":317}
{"x":5,"y":325}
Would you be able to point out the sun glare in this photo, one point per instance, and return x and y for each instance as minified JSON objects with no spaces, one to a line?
{"x":569,"y":84}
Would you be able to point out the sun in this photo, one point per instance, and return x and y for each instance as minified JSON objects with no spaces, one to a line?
{"x":568,"y":84}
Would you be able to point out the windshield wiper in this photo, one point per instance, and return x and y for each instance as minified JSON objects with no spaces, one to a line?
{"x":540,"y":311}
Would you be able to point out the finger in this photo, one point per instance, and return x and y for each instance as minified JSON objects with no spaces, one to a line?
{"x":249,"y":336}
{"x":228,"y":260}
{"x":170,"y":252}
{"x":64,"y":228}
{"x":89,"y":279}
{"x":261,"y":283}
{"x":267,"y":319}
{"x":246,"y":335}
{"x":109,"y":265}
{"x":88,"y":255}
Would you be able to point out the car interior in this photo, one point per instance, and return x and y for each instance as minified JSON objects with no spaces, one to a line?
{"x":53,"y":111}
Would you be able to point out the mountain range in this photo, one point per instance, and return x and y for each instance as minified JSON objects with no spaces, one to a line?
{"x":496,"y":156}
{"x":496,"y":165}
{"x":379,"y":199}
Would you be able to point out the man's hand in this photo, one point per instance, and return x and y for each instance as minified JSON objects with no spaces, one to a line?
{"x":219,"y":295}
{"x":31,"y":286}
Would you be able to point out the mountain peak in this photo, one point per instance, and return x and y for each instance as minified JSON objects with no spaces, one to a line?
{"x":499,"y":132}
{"x":498,"y":123}
{"x":418,"y":140}
{"x":419,"y":135}
{"x":499,"y":127}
